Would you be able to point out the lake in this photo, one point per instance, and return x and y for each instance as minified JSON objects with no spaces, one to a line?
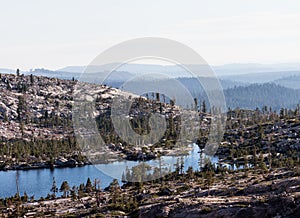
{"x":38,"y":182}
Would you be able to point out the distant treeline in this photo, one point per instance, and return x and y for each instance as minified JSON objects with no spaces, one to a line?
{"x":239,"y":95}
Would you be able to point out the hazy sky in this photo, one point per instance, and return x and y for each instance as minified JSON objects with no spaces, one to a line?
{"x":56,"y":33}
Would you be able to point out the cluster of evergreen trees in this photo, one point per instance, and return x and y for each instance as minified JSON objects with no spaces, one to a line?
{"x":47,"y":150}
{"x":140,"y":113}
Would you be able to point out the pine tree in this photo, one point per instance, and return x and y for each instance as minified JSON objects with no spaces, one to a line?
{"x":181,"y":165}
{"x":115,"y":190}
{"x":157,"y":96}
{"x":196,"y":104}
{"x":65,"y":188}
{"x":54,"y":188}
{"x":81,"y":190}
{"x":88,"y":186}
{"x":31,"y":79}
{"x":73,"y":192}
{"x":123,"y":177}
{"x":25,"y":197}
{"x":203,"y":107}
{"x":128,"y":174}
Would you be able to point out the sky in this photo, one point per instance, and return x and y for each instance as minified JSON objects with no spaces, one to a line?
{"x":53,"y":34}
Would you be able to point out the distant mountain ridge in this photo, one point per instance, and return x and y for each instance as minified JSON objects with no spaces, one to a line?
{"x":292,"y":82}
{"x":245,"y":90}
{"x":284,"y":78}
{"x":263,"y":77}
{"x":237,"y":72}
{"x":237,"y":69}
{"x":221,"y":70}
{"x":7,"y":71}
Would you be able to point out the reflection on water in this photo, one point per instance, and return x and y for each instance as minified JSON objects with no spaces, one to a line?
{"x":38,"y":182}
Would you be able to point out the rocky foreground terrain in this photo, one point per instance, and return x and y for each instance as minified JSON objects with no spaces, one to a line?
{"x":250,"y":193}
{"x":274,"y":194}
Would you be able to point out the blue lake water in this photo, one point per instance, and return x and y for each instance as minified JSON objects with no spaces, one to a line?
{"x":38,"y":182}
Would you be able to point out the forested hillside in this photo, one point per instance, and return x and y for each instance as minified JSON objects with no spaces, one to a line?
{"x":292,"y":82}
{"x":36,"y":121}
{"x":259,"y":95}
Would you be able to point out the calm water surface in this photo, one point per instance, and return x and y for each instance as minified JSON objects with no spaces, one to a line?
{"x":38,"y":182}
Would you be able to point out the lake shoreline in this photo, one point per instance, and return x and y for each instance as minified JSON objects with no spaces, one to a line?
{"x":71,"y":162}
{"x":256,"y":193}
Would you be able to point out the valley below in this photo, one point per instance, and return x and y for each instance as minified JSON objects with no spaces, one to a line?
{"x":255,"y":171}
